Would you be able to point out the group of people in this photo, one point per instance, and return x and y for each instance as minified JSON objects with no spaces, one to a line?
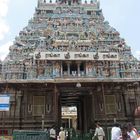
{"x":61,"y":136}
{"x":118,"y":132}
{"x":125,"y":132}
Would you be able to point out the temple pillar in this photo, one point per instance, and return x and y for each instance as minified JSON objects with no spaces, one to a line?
{"x":61,"y":70}
{"x":78,"y":69}
{"x":57,"y":106}
{"x":68,"y":66}
{"x":53,"y":66}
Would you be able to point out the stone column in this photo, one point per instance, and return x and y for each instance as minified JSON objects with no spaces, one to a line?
{"x":68,"y":65}
{"x":55,"y":102}
{"x":53,"y":69}
{"x":78,"y":68}
{"x":61,"y":70}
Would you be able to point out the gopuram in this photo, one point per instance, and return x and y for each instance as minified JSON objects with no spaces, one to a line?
{"x":68,"y":55}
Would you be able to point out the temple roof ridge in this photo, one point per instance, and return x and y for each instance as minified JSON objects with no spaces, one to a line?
{"x":42,"y":3}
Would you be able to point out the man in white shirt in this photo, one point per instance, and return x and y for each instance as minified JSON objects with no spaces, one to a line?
{"x":52,"y":134}
{"x":99,"y":132}
{"x":115,"y":132}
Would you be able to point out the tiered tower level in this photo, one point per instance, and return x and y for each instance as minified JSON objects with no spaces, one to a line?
{"x":69,"y":38}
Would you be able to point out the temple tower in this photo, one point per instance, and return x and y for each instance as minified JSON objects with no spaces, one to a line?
{"x":69,"y":55}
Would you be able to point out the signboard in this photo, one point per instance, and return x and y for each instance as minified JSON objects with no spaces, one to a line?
{"x":4,"y":102}
{"x":111,"y":56}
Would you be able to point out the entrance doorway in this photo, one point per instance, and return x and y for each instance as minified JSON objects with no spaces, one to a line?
{"x":69,"y":116}
{"x":76,"y":110}
{"x":73,"y":68}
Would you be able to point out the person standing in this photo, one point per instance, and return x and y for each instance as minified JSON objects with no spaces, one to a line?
{"x":132,"y":132}
{"x":116,"y":132}
{"x":61,"y":134}
{"x":99,"y":132}
{"x":52,"y":134}
{"x":124,"y":135}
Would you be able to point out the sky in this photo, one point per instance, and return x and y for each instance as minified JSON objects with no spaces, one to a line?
{"x":123,"y":15}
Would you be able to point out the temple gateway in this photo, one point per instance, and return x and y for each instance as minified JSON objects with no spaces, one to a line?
{"x":69,"y":56}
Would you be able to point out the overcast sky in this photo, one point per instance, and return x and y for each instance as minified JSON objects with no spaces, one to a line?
{"x":121,"y":14}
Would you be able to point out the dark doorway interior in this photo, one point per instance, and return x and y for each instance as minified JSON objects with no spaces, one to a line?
{"x":83,"y":111}
{"x":65,"y":67}
{"x":82,"y":67}
{"x":73,"y":69}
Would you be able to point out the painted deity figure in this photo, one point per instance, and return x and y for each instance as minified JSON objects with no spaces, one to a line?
{"x":89,"y":68}
{"x":57,"y":69}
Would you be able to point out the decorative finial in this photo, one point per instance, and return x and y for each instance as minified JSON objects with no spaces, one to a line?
{"x":41,"y":1}
{"x":98,"y":3}
{"x":91,"y":1}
